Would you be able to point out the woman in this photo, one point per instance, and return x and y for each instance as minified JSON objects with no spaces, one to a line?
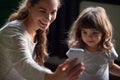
{"x":23,"y":44}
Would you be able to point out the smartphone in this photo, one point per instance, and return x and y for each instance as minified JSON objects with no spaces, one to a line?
{"x":73,"y":53}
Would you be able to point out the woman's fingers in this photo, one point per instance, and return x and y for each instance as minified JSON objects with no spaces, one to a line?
{"x":67,"y":65}
{"x":77,"y":70}
{"x":69,"y":70}
{"x":64,"y":65}
{"x":74,"y":70}
{"x":71,"y":64}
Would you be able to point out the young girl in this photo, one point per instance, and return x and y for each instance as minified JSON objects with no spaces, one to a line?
{"x":23,"y":44}
{"x":92,"y":31}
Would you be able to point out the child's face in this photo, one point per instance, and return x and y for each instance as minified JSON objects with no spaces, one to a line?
{"x":91,"y":37}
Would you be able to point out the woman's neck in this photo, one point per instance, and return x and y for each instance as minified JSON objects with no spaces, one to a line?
{"x":30,"y":29}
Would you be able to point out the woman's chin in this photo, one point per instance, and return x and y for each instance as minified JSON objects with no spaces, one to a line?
{"x":43,"y":28}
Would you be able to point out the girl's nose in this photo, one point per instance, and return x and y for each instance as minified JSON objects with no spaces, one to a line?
{"x":90,"y":35}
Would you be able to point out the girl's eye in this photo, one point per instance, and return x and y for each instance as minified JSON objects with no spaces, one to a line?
{"x":84,"y":32}
{"x":96,"y":33}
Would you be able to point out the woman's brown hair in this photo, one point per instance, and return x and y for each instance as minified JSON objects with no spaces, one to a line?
{"x":40,"y":50}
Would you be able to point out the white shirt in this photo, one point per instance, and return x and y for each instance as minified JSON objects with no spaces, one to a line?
{"x":96,"y":65}
{"x":16,"y":50}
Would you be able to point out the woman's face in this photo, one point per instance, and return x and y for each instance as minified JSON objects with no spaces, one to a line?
{"x":44,"y":13}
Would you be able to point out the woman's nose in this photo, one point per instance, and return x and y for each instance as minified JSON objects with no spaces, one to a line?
{"x":48,"y":16}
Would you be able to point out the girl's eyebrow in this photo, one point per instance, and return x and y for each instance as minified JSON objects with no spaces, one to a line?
{"x":83,"y":29}
{"x":94,"y":30}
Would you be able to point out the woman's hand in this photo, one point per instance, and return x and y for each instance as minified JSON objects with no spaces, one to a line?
{"x":67,"y":71}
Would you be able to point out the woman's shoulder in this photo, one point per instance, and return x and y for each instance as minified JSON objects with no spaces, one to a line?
{"x":13,"y":26}
{"x":15,"y":23}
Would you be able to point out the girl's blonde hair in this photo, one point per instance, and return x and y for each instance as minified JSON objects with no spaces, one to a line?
{"x":95,"y":18}
{"x":40,"y":51}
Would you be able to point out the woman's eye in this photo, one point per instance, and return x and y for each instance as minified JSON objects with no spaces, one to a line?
{"x":42,"y":11}
{"x":54,"y":12}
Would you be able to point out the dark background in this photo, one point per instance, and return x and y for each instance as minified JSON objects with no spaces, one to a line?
{"x":57,"y":36}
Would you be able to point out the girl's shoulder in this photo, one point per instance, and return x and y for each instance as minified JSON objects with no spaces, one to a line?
{"x":113,"y":54}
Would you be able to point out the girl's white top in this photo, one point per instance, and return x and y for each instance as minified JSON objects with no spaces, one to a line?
{"x":96,"y":65}
{"x":16,"y":50}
